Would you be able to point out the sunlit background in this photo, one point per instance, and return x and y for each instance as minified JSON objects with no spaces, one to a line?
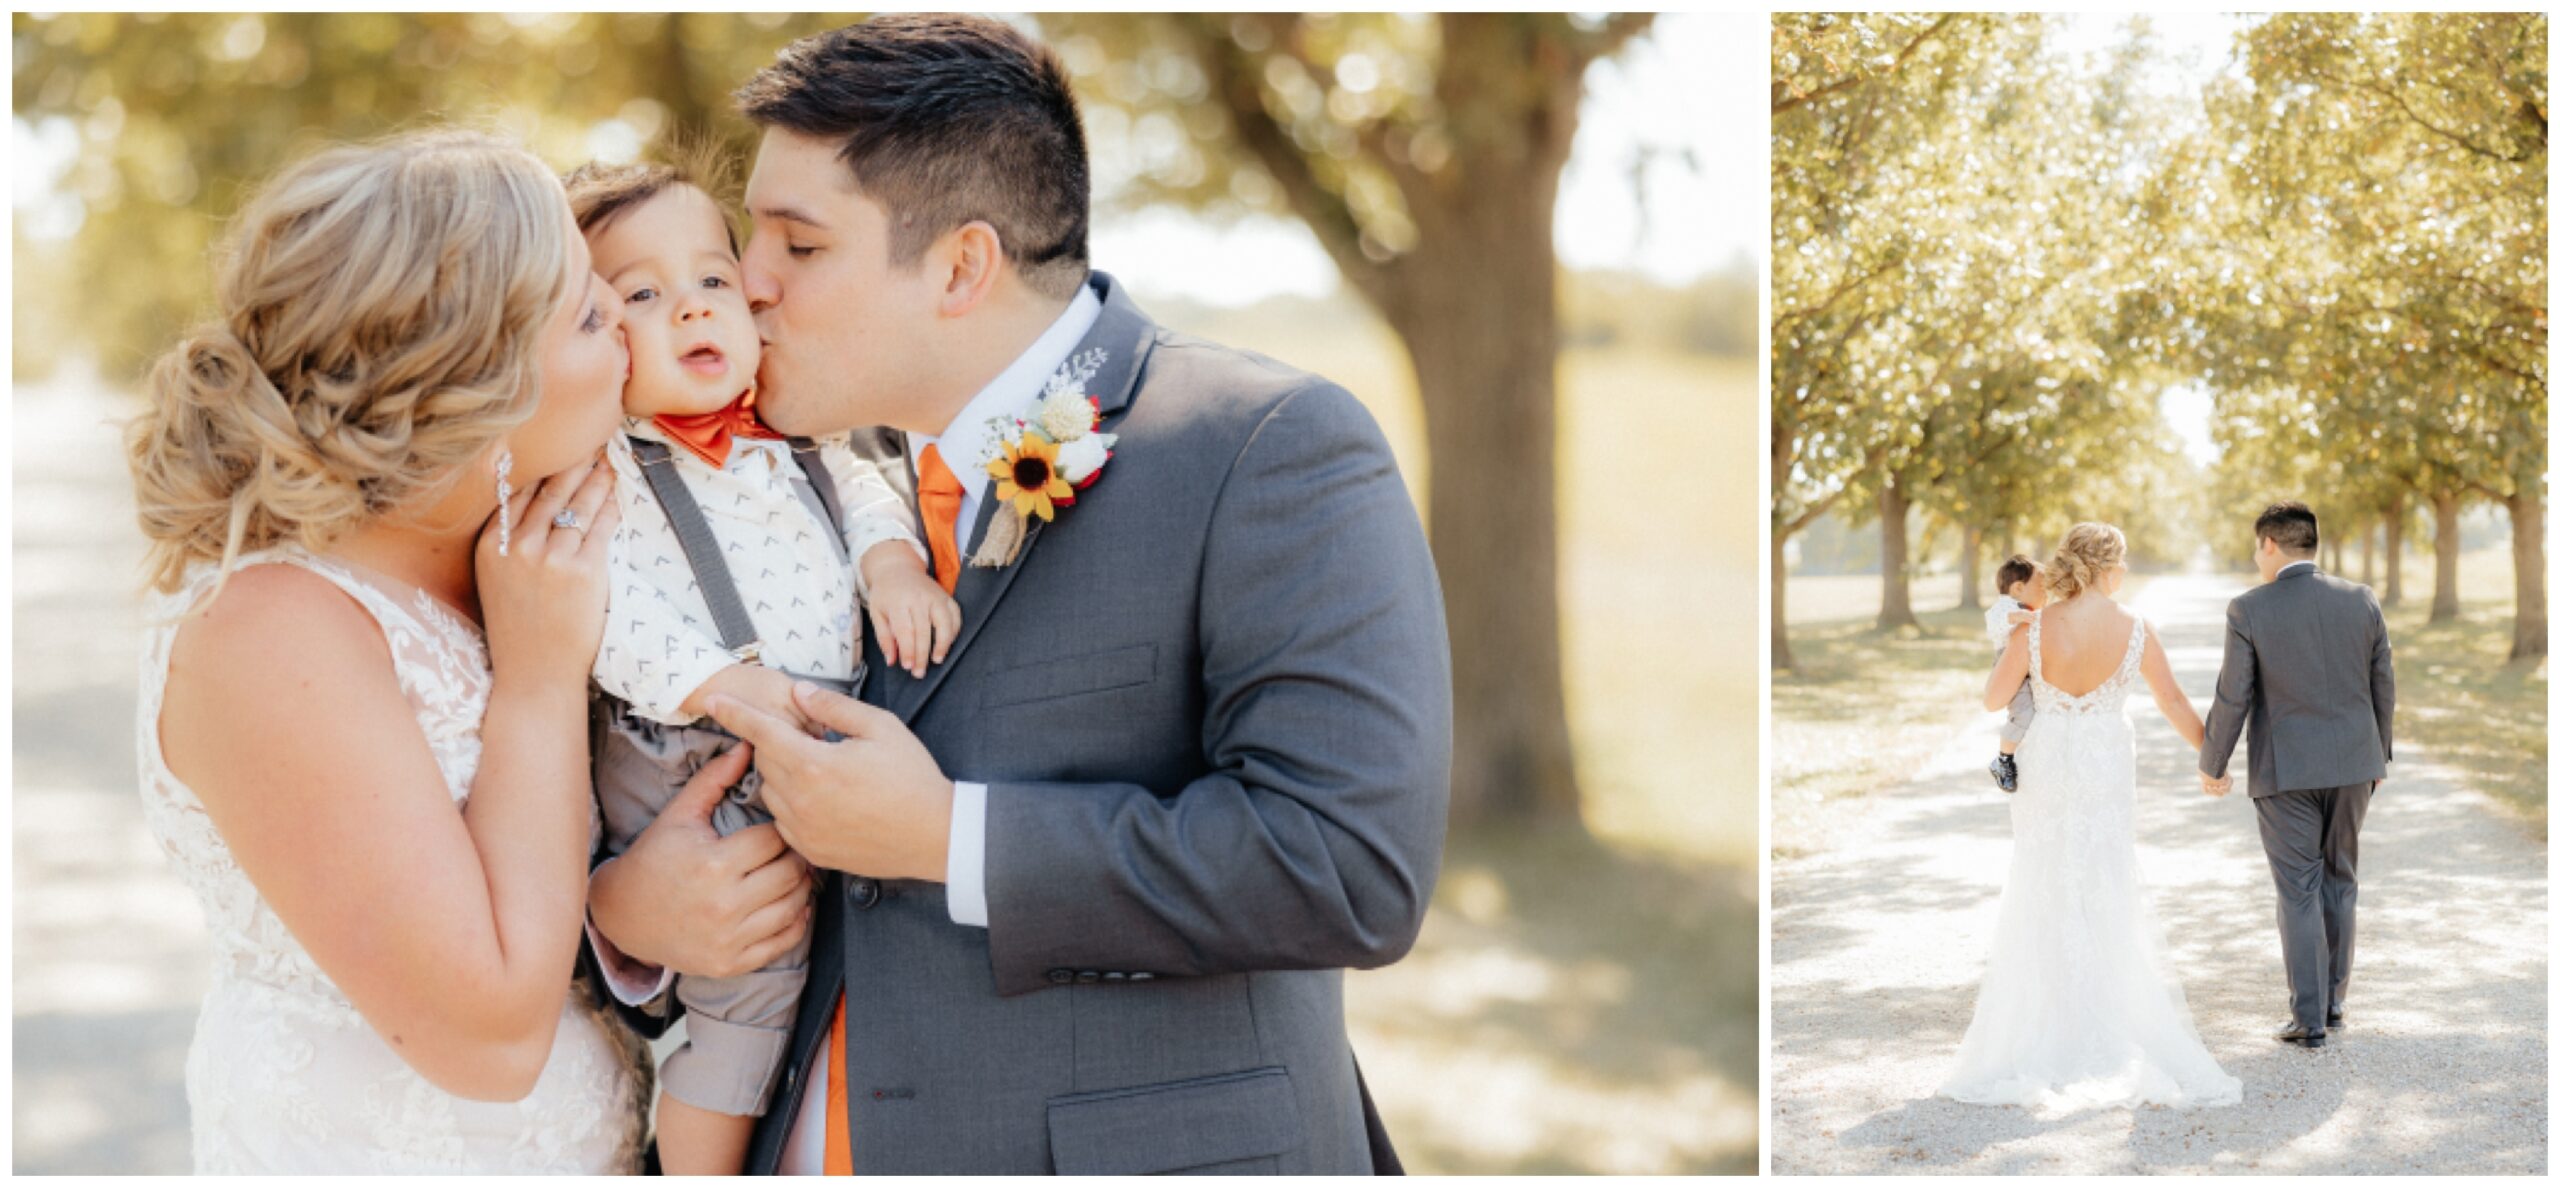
{"x":1583,"y":997}
{"x":2030,"y":269}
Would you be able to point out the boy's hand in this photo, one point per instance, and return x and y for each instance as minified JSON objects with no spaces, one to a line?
{"x":767,"y":689}
{"x":2019,"y":618}
{"x":912,"y":618}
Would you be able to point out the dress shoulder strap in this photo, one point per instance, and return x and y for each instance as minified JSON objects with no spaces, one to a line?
{"x":701,"y":549}
{"x":2132,"y":661}
{"x":2035,"y":646}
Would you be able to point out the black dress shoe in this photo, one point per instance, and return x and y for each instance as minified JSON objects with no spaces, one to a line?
{"x":2295,"y":1033}
{"x":2337,"y":1017}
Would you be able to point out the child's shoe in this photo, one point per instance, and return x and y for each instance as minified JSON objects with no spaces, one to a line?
{"x":2004,"y":772}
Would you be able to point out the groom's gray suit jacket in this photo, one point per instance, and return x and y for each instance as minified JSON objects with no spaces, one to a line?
{"x":2306,"y":664}
{"x":1211,"y":705}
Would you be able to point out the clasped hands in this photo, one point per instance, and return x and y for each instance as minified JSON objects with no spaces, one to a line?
{"x":2214,"y":787}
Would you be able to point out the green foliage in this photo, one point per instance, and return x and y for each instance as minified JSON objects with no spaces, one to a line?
{"x":2343,"y":244}
{"x":2383,"y":192}
{"x":1948,"y":196}
{"x":177,"y":114}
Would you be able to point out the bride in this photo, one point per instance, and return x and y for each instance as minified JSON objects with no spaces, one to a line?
{"x":362,"y":729}
{"x":2078,"y":1007}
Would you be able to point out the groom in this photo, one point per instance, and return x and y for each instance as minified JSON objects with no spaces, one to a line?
{"x":1090,"y":882}
{"x":2306,"y":664}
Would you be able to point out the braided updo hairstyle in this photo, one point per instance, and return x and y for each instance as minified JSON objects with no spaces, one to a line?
{"x":2088,"y":551}
{"x":381,"y":310}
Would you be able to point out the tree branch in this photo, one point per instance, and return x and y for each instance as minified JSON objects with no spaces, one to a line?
{"x":1237,"y":84}
{"x":1780,"y":106}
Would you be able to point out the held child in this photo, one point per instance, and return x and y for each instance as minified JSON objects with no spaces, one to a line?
{"x":2021,"y":587}
{"x":736,"y":570}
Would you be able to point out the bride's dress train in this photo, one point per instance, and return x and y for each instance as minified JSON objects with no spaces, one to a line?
{"x":2078,"y":1007}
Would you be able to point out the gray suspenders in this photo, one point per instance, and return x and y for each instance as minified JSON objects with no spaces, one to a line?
{"x":816,"y":488}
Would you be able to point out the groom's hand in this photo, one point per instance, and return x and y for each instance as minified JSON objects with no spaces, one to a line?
{"x":2214,"y":787}
{"x":874,"y":803}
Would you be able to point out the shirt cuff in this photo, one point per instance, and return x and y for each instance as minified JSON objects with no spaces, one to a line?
{"x":633,"y":983}
{"x":965,"y":873}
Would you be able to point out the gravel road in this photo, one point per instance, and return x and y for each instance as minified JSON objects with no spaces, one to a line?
{"x":1877,"y":945}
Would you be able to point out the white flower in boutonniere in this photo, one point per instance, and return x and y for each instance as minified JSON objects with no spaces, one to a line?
{"x":1082,"y":457}
{"x":1068,"y":416}
{"x":1039,"y":462}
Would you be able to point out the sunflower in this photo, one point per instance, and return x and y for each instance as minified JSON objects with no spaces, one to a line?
{"x":1027,"y":476}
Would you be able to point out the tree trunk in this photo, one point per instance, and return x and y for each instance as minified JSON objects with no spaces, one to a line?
{"x":1486,"y":370}
{"x":1781,"y":657}
{"x":1971,"y":587}
{"x":1782,"y":455}
{"x":1893,"y":515}
{"x":2448,"y":512}
{"x":2395,"y":533}
{"x":2533,"y":613}
{"x":1472,"y":293}
{"x":2366,"y":551}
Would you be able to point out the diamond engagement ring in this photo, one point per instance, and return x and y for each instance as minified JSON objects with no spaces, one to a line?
{"x":567,"y":519}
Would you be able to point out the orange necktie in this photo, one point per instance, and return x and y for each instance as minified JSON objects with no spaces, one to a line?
{"x":938,"y":497}
{"x":839,"y":1160}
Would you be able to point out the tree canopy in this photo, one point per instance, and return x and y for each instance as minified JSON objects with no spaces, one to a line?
{"x":1988,"y":246}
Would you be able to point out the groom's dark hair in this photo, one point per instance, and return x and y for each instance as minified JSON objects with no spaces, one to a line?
{"x":2291,"y":525}
{"x":944,"y":120}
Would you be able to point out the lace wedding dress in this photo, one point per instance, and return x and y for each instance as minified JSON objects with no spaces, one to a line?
{"x":284,"y":1075}
{"x":2078,"y":1007}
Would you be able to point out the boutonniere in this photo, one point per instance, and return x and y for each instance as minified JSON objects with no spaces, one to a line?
{"x":1041,"y":458}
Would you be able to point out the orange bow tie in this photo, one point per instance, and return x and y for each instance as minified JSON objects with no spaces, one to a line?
{"x":708,"y":434}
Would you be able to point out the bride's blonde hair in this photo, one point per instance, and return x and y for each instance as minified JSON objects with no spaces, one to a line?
{"x":2088,"y":551}
{"x":381,"y":310}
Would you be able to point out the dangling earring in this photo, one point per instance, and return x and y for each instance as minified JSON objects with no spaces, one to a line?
{"x":506,"y":462}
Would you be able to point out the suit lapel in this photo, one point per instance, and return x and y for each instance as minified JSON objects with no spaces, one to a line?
{"x":1126,"y":336}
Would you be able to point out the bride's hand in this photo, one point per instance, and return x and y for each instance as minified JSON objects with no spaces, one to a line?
{"x":542,"y":604}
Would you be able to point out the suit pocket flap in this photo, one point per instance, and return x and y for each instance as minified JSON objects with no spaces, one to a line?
{"x":1169,"y":1127}
{"x":1070,"y":676}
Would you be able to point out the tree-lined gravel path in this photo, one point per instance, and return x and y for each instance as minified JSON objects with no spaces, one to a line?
{"x":1877,"y":945}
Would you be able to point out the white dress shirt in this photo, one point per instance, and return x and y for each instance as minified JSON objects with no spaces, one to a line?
{"x":1996,"y":624}
{"x":2290,"y":568}
{"x":964,"y":444}
{"x":660,"y":642}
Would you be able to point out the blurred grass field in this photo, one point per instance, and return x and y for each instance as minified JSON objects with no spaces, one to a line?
{"x":1590,"y":1005}
{"x":2460,"y":699}
{"x":1861,"y":707}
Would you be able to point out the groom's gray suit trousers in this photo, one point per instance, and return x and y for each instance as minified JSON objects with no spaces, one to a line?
{"x":2310,"y":838}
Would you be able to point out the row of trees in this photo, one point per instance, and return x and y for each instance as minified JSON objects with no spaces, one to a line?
{"x":1424,"y":152}
{"x":1948,"y":208}
{"x":1990,"y":259}
{"x":2382,"y":335}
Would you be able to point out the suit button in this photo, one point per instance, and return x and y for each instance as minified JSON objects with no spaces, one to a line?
{"x":1060,"y":977}
{"x":866,"y":892}
{"x":1115,"y":976}
{"x":1087,"y":976}
{"x":790,"y":1077}
{"x":1142,"y":976}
